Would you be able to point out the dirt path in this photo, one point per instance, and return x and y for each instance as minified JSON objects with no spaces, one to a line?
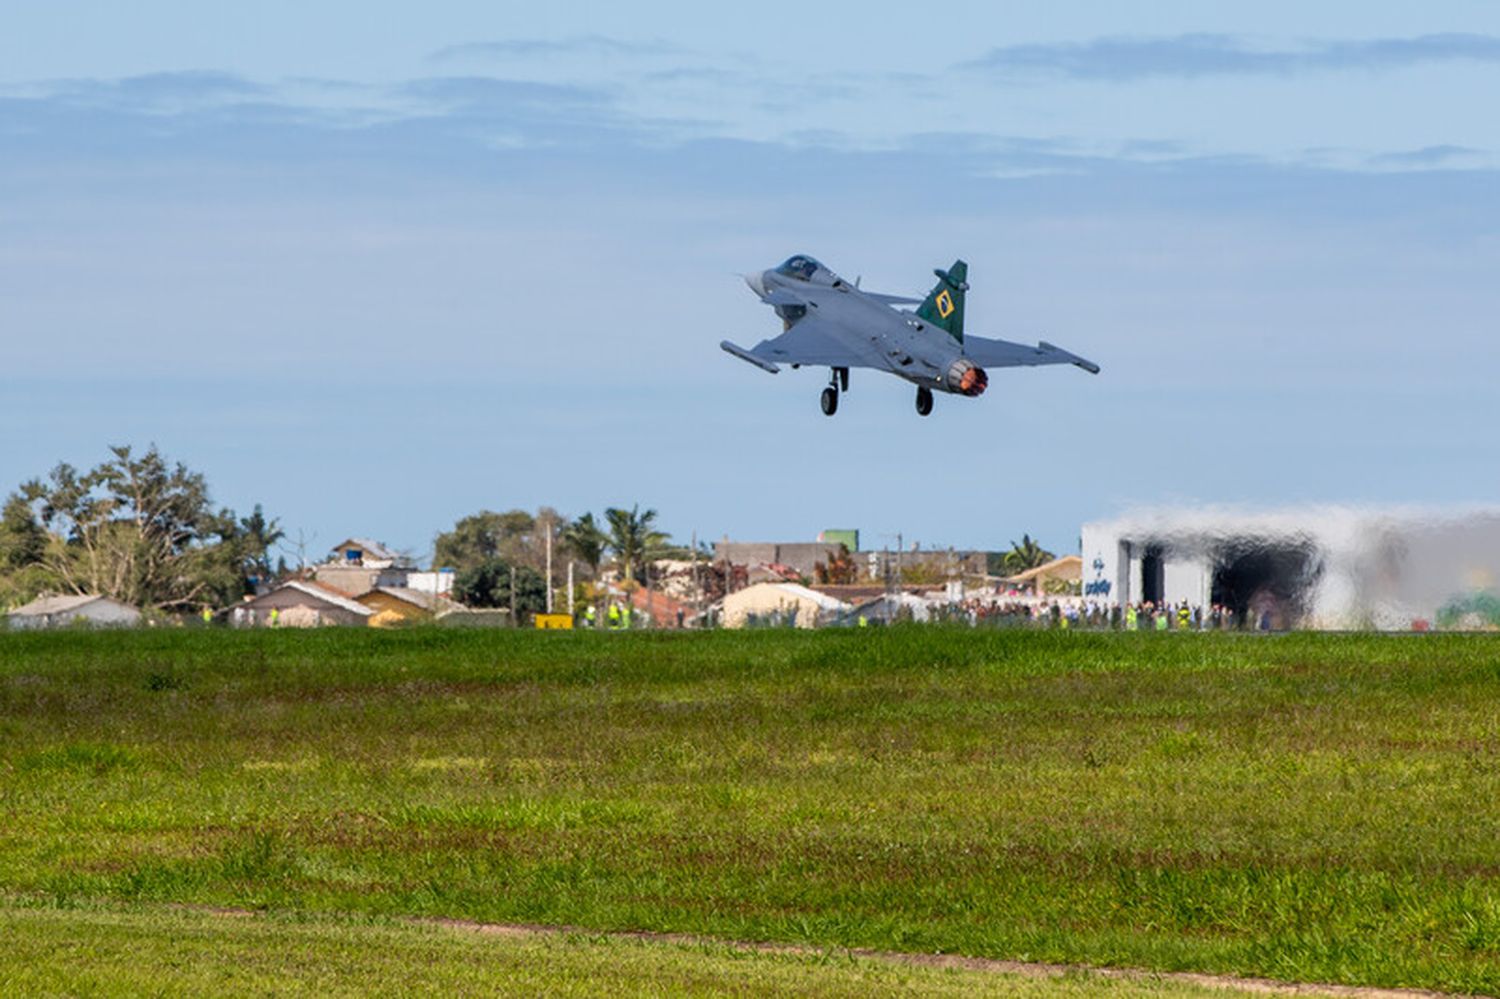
{"x":1030,"y":969}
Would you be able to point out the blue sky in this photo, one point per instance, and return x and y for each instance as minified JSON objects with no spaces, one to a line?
{"x":378,"y":268}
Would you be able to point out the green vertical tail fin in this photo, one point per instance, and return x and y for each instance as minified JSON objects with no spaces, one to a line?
{"x":944,"y":307}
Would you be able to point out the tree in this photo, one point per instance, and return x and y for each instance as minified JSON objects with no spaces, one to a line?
{"x":839,"y":569}
{"x":517,"y":537}
{"x":1025,"y":554}
{"x":480,"y":537}
{"x":585,"y":539}
{"x":138,"y":529}
{"x":23,"y":546}
{"x":632,"y":538}
{"x":23,"y":541}
{"x":258,"y":536}
{"x":488,"y":585}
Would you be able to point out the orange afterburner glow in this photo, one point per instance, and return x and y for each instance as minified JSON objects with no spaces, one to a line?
{"x":965,"y":377}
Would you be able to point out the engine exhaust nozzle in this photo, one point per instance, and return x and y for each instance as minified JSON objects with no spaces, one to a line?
{"x":966,"y":378}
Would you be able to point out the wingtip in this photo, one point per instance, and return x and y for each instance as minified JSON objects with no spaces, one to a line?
{"x":1080,"y":362}
{"x":744,"y":355}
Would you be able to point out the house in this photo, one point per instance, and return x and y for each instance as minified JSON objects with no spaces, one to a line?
{"x":664,"y":611}
{"x":393,"y":605}
{"x":359,"y":565}
{"x":367,"y":553}
{"x":300,"y":604}
{"x":1060,"y":575}
{"x":796,"y":558}
{"x":75,"y":609}
{"x":788,"y":604}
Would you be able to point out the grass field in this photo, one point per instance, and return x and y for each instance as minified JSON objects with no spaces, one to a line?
{"x":136,"y":953}
{"x":1307,"y":807}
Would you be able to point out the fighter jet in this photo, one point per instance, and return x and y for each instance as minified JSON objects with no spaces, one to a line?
{"x":828,"y":321}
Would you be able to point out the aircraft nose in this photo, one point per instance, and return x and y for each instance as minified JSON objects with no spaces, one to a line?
{"x":757,"y":282}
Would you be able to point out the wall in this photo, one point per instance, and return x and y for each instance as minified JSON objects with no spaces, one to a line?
{"x":296,"y":609}
{"x":355,"y":580}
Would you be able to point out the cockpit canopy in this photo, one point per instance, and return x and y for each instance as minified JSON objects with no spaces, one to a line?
{"x":800,"y":267}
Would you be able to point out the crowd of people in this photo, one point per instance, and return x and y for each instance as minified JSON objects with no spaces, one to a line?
{"x":1098,"y":616}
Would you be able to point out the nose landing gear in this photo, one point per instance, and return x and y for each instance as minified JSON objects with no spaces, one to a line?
{"x":924,"y":400}
{"x":838,"y":380}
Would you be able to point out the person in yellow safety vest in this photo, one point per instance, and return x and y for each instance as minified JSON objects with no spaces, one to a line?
{"x":625,"y":617}
{"x":1132,"y":622}
{"x":275,"y":616}
{"x":1184,"y":617}
{"x":614,"y":617}
{"x":1163,"y":618}
{"x":208,"y":616}
{"x":589,"y":615}
{"x":864,"y":622}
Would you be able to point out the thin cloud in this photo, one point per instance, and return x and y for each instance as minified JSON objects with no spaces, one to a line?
{"x":152,"y":89}
{"x":1199,"y":55}
{"x":484,"y":91}
{"x":220,"y":114}
{"x":698,"y":75}
{"x":1430,"y":157}
{"x":533,"y":48}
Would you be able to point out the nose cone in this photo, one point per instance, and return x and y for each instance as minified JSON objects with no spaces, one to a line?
{"x":757,"y":282}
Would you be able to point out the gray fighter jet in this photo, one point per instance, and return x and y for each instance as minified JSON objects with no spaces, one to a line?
{"x":829,"y":322}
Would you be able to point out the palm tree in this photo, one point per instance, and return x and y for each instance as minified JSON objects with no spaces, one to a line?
{"x":632,"y":538}
{"x":1025,"y":554}
{"x":260,"y":535}
{"x":587,"y":540}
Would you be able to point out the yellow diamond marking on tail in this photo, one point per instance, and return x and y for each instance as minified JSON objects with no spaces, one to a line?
{"x":945,"y":303}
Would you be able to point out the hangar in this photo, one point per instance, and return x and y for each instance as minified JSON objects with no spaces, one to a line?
{"x":1316,"y":567}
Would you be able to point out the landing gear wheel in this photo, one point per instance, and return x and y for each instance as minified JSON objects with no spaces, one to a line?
{"x":924,"y":401}
{"x":830,"y":400}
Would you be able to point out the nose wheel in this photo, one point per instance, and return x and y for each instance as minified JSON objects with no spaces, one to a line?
{"x":924,"y":400}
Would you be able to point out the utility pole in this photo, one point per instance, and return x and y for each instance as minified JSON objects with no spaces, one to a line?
{"x":568,"y":603}
{"x":513,"y":622}
{"x":900,"y":564}
{"x":551,"y":584}
{"x":697,"y":582}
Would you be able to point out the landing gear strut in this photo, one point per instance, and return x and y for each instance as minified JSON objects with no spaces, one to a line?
{"x":837,"y":380}
{"x":924,"y":400}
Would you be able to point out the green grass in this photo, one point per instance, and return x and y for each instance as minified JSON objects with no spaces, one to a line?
{"x":130,"y":953}
{"x":1309,"y":807}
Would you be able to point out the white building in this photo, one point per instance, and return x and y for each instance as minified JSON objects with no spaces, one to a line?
{"x":1321,"y":567}
{"x":781,"y":603}
{"x":75,"y":609}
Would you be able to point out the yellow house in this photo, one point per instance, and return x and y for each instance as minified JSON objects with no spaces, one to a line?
{"x":396,"y":605}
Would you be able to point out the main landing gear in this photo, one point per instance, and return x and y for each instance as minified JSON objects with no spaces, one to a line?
{"x":924,"y":400}
{"x":838,"y":381}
